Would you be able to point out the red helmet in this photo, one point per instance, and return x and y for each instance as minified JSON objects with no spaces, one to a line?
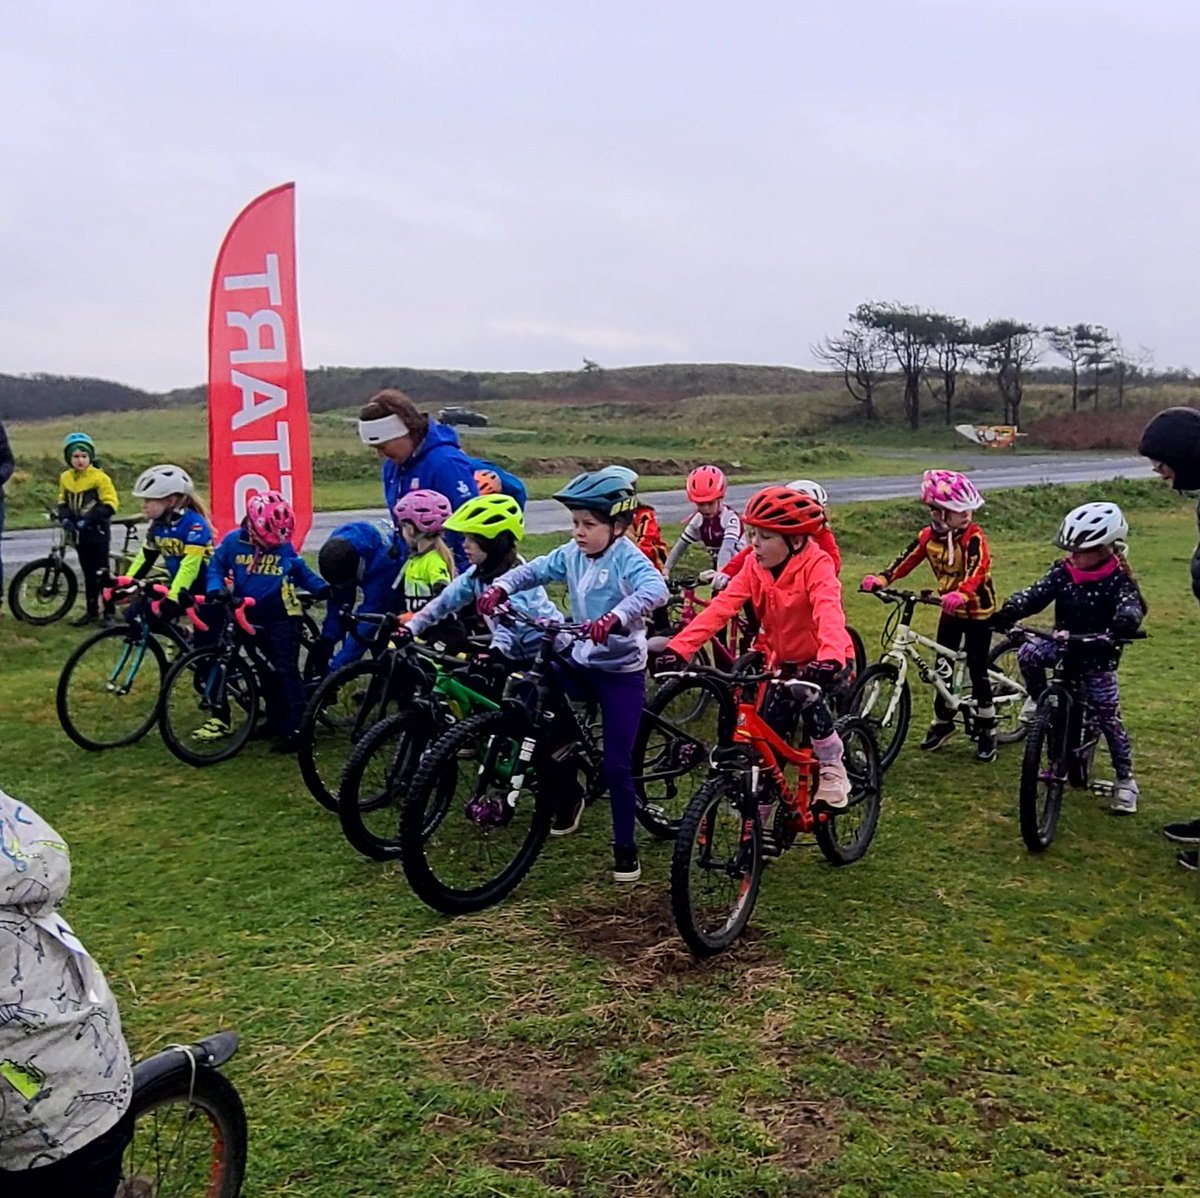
{"x":488,"y":482}
{"x":782,"y":510}
{"x":270,"y":519}
{"x":705,"y":484}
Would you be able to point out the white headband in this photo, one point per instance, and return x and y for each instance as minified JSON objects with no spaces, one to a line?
{"x":376,"y":432}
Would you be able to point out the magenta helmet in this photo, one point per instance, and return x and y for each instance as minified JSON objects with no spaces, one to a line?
{"x":270,"y":519}
{"x":427,"y":511}
{"x":950,"y":490}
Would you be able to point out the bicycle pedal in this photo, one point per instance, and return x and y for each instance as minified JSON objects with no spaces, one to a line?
{"x":1102,"y":787}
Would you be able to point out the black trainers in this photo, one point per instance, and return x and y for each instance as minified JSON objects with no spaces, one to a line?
{"x":626,"y":866}
{"x":1186,"y":833}
{"x":1189,"y":859}
{"x":937,"y":735}
{"x":985,"y":742}
{"x":568,"y":813}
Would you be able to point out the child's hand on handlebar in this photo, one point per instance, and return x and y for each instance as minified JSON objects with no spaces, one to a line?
{"x":668,"y":662}
{"x":953,"y":601}
{"x":872,"y":582}
{"x":491,"y":599}
{"x":598,"y":631}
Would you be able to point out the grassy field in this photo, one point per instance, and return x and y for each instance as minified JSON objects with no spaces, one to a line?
{"x":753,"y":437}
{"x":950,"y":1016}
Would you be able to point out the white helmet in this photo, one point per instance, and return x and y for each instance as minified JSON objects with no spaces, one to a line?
{"x":158,"y":482}
{"x":806,"y":486}
{"x":1092,"y":525}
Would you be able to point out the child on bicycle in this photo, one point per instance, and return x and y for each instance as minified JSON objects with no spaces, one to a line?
{"x":429,"y":568}
{"x":179,"y":533}
{"x":613,"y":588}
{"x":791,"y":585}
{"x":824,"y":538}
{"x":956,"y":549}
{"x":715,"y":524}
{"x":87,"y":500}
{"x":66,"y":1080}
{"x":259,"y":563}
{"x":492,"y":526}
{"x":1093,"y":591}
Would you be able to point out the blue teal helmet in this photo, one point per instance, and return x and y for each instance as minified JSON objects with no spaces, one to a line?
{"x":624,"y":473}
{"x":74,"y":441}
{"x":607,"y":492}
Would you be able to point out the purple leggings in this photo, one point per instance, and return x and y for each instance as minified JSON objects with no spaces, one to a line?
{"x":620,"y":698}
{"x":1036,"y":657}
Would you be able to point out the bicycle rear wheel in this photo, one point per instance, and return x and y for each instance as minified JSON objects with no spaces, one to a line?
{"x":885,"y":704}
{"x":110,"y":687}
{"x":471,"y":823}
{"x":671,"y":752}
{"x":1043,"y":774}
{"x":377,"y":772}
{"x":716,"y":868}
{"x":189,"y":1138}
{"x":845,"y":837}
{"x":43,"y":591}
{"x":343,"y":707}
{"x":209,"y":706}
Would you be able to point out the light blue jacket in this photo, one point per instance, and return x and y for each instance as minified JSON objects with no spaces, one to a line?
{"x":620,"y":580}
{"x":519,"y":641}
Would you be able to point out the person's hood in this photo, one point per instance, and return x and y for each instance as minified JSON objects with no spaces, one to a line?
{"x":367,"y":538}
{"x":1173,"y":438}
{"x":439,"y":436}
{"x":35,"y":871}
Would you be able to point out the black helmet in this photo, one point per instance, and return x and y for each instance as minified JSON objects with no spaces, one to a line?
{"x":1173,"y":438}
{"x":338,"y":562}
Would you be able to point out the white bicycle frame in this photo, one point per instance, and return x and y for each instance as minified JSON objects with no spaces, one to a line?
{"x":905,"y":648}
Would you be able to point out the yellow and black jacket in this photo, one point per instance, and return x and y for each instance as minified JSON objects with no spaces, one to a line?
{"x":960,"y":562}
{"x":88,"y":496}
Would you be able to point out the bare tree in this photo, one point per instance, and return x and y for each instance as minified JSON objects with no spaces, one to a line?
{"x":862,"y":357}
{"x":1008,"y":348}
{"x":906,"y":331}
{"x":951,"y":342}
{"x":1097,"y":345}
{"x":1128,"y":367}
{"x":1068,"y":342}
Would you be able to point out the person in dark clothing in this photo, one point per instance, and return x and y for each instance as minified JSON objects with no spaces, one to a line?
{"x":1172,"y":443}
{"x":86,"y":503}
{"x":7,"y":464}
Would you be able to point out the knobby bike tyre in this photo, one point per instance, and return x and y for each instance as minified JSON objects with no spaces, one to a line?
{"x":329,"y":732}
{"x":860,"y":650}
{"x":92,"y":709}
{"x":189,"y":1137}
{"x":470,"y":768}
{"x":42,"y":591}
{"x":1003,"y":659}
{"x":716,"y":868}
{"x":844,"y":838}
{"x":1043,"y":775}
{"x":671,"y":752}
{"x":186,"y":693}
{"x":376,"y":775}
{"x":870,"y":699}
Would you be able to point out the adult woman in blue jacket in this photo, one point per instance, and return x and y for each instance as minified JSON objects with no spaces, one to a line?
{"x":418,"y":454}
{"x":613,"y":587}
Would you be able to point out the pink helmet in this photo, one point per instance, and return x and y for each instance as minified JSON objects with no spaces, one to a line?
{"x":427,"y":510}
{"x":705,"y":484}
{"x":270,"y":519}
{"x":950,"y":490}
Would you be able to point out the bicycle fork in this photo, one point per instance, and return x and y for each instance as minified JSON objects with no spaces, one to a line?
{"x":113,"y":685}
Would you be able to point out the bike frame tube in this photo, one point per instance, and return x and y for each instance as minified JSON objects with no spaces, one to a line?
{"x":753,"y":730}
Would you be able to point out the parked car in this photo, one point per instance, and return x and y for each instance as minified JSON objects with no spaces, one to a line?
{"x":462,"y":416}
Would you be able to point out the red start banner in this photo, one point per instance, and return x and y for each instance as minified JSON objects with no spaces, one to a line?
{"x":257,"y":404}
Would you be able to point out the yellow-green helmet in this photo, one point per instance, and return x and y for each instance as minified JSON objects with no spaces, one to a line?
{"x":489,"y":516}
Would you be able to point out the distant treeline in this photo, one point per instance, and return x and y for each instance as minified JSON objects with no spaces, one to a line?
{"x":44,"y":396}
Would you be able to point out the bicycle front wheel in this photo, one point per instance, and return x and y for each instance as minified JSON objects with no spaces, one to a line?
{"x":885,"y":703}
{"x":209,"y":706}
{"x":1008,"y":691}
{"x":43,"y":591}
{"x":189,"y":1137}
{"x":716,"y":867}
{"x":472,"y":824}
{"x":377,"y":771}
{"x":109,"y":689}
{"x":1043,"y":774}
{"x":680,"y":727}
{"x":844,"y":838}
{"x":342,"y":708}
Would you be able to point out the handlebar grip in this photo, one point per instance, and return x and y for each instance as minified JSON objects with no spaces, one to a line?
{"x":195,"y":619}
{"x":239,"y":614}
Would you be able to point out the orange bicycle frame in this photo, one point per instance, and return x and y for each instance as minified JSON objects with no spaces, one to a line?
{"x":771,"y":749}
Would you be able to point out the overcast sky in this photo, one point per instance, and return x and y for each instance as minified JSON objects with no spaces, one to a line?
{"x":515,"y":185}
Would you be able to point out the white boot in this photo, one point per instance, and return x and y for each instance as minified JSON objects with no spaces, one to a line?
{"x":833,"y":783}
{"x":1124,"y":798}
{"x":1028,"y":711}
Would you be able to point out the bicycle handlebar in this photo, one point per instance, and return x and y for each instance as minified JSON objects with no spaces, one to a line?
{"x":239,"y":604}
{"x":1078,"y":638}
{"x":892,"y":595}
{"x":507,"y":614}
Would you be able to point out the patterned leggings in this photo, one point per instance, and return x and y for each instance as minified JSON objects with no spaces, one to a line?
{"x":1036,"y":657}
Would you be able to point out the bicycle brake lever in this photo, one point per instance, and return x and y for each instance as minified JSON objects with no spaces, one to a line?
{"x":239,"y":614}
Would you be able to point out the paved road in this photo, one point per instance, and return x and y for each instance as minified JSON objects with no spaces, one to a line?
{"x":544,"y":515}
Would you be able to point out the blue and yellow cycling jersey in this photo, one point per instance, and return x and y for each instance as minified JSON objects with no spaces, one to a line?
{"x":185,"y":543}
{"x":268,"y":576}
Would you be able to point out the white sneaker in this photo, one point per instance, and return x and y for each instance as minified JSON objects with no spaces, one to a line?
{"x":833,"y":786}
{"x":1028,"y":711}
{"x":1124,"y":798}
